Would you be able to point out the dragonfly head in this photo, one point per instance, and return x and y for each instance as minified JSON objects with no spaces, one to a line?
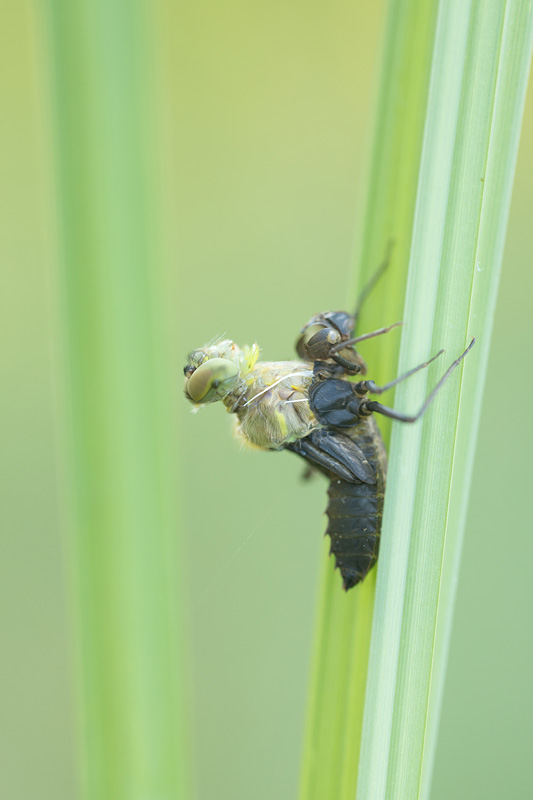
{"x":215,"y":371}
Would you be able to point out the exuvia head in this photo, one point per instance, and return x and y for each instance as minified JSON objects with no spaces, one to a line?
{"x":327,"y":337}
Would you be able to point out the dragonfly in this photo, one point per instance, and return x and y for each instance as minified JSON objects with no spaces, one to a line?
{"x":317,"y":406}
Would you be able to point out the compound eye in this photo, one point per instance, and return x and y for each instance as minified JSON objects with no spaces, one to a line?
{"x":204,"y":381}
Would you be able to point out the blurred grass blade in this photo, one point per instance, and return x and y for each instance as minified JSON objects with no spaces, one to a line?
{"x":478,"y":80}
{"x":118,"y":404}
{"x":333,"y":732}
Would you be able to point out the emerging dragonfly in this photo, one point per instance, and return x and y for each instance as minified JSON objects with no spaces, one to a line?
{"x":311,"y":408}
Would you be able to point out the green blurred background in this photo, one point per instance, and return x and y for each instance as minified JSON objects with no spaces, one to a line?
{"x":263,"y":122}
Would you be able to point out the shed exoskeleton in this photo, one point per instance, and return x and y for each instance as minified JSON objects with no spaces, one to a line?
{"x":348,"y":446}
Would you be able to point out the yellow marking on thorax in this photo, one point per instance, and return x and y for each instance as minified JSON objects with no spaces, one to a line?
{"x":282,"y":422}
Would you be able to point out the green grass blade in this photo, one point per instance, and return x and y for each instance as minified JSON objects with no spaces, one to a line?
{"x":342,"y":640}
{"x":118,"y":405}
{"x":509,"y":99}
{"x":479,"y":71}
{"x":478,"y":61}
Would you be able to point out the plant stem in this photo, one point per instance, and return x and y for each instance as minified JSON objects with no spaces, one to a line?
{"x":121,"y":430}
{"x":344,"y":619}
{"x":475,"y":60}
{"x":478,"y":79}
{"x":501,"y":154}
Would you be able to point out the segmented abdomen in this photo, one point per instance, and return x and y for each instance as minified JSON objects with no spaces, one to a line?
{"x":355,"y":511}
{"x":354,"y":527}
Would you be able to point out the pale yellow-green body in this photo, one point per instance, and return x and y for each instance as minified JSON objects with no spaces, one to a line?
{"x":274,"y":408}
{"x":269,"y":398}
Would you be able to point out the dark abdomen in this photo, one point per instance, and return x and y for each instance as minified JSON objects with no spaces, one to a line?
{"x":355,"y":510}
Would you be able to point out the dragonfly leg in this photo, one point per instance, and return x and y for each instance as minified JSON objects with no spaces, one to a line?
{"x":350,"y":342}
{"x":369,"y":386}
{"x":373,"y":279}
{"x":370,"y":406}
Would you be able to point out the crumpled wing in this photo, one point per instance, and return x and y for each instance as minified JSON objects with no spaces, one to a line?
{"x":336,"y":454}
